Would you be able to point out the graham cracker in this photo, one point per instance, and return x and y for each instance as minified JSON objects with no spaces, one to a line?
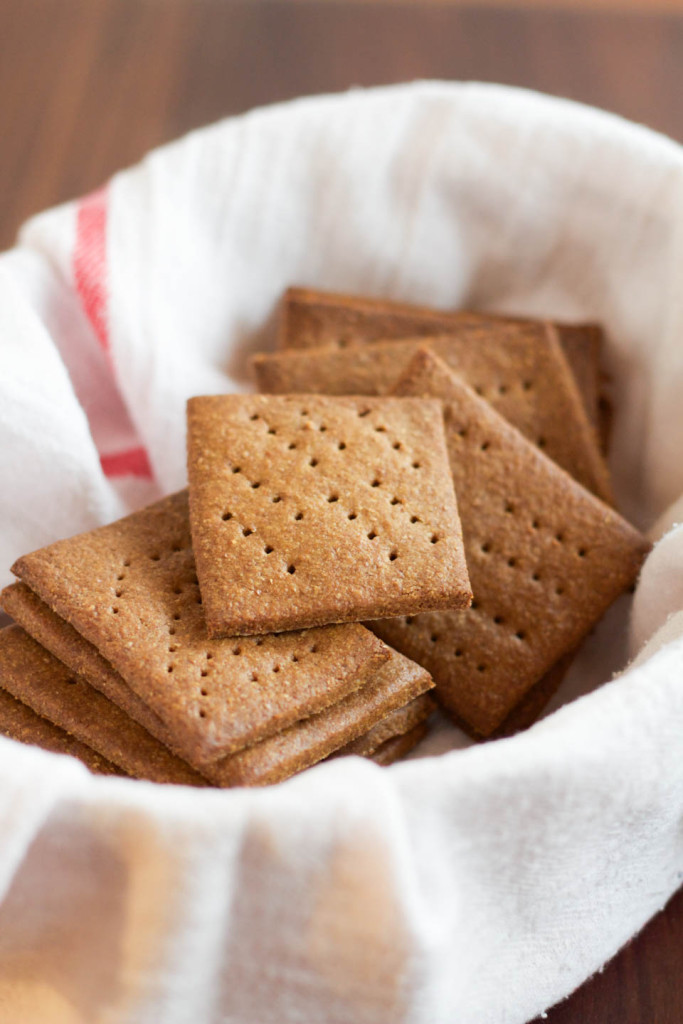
{"x":546,"y":560}
{"x":521,"y":371}
{"x":19,"y":722}
{"x":398,"y":723}
{"x":397,"y":683}
{"x":311,"y":510}
{"x":33,"y":676}
{"x":310,"y":318}
{"x":130,"y":590}
{"x":397,"y":747}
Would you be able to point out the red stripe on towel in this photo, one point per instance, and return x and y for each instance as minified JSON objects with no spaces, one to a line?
{"x":90,"y":260}
{"x":90,"y":276}
{"x":134,"y":462}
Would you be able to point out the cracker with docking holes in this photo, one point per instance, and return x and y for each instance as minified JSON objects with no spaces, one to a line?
{"x":546,"y":560}
{"x":281,"y":755}
{"x":130,"y":589}
{"x":524,"y":375}
{"x":398,"y":683}
{"x":33,"y":676}
{"x":83,"y":710}
{"x":309,"y":319}
{"x":312,"y":510}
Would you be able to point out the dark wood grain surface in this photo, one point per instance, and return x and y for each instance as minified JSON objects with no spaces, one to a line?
{"x":87,"y":86}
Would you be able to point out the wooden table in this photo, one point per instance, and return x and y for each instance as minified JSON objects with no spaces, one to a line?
{"x":87,"y":86}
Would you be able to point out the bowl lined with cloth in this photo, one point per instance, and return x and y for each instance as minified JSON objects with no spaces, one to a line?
{"x":482,"y":882}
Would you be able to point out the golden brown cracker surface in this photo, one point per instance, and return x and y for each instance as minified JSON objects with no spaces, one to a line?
{"x":534,"y":702}
{"x":397,"y":683}
{"x":270,"y":760}
{"x":311,"y":318}
{"x":546,"y":559}
{"x":19,"y":722}
{"x":68,"y":646}
{"x":520,"y":370}
{"x":130,"y":590}
{"x":397,"y":723}
{"x":33,"y":676}
{"x":308,"y":510}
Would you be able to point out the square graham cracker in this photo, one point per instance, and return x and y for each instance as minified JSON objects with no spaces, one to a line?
{"x":18,"y":722}
{"x":131,"y":590}
{"x":546,"y":560}
{"x":32,"y":675}
{"x":310,"y":318}
{"x":521,"y":371}
{"x":308,"y":510}
{"x":271,"y":760}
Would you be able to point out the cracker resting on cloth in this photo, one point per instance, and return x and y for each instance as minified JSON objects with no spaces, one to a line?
{"x":546,"y":560}
{"x":131,"y":590}
{"x":41,"y":681}
{"x":398,"y":683}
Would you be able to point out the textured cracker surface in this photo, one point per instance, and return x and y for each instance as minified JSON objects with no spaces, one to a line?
{"x":19,"y":722}
{"x":310,"y":318}
{"x":131,"y":590}
{"x":310,"y":510}
{"x":397,"y":747}
{"x":397,"y":723}
{"x":582,"y":344}
{"x":546,"y":559}
{"x":534,"y":700}
{"x":69,"y":647}
{"x":397,"y":683}
{"x":520,"y":369}
{"x":273,"y":759}
{"x":37,"y":679}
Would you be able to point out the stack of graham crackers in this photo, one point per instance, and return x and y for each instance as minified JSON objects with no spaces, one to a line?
{"x":415,"y":500}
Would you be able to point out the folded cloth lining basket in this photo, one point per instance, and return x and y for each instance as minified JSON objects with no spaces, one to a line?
{"x":483,"y":885}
